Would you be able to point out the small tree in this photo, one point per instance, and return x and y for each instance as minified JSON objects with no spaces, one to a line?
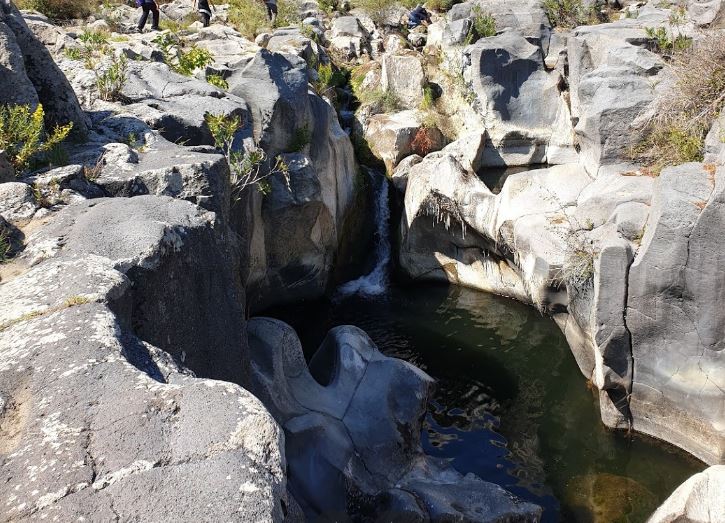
{"x":246,"y":168}
{"x":23,"y":136}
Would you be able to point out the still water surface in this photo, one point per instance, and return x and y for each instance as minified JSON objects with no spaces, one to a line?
{"x":511,"y":405}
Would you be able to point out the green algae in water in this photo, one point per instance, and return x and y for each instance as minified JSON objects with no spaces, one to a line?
{"x":511,"y":405}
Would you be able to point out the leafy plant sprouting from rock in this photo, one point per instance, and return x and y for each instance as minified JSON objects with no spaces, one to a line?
{"x":483,"y":25}
{"x":183,"y":62}
{"x":578,"y":267}
{"x":676,"y":132}
{"x":378,"y":10}
{"x":217,"y":81}
{"x":110,"y":77}
{"x":246,"y":168}
{"x":110,"y":81}
{"x":23,"y":135}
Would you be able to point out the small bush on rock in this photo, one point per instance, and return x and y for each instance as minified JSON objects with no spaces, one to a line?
{"x":23,"y":135}
{"x":60,"y":9}
{"x":190,"y":61}
{"x":569,"y":13}
{"x":217,"y":81}
{"x":249,"y":17}
{"x":246,"y":168}
{"x":110,"y":81}
{"x":684,"y":115}
{"x":483,"y":25}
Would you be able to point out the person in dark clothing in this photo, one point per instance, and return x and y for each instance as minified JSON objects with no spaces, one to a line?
{"x":271,"y":10}
{"x":418,"y":16}
{"x":202,"y":6}
{"x":148,"y":6}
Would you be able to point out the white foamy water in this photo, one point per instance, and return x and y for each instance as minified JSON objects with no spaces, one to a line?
{"x":376,"y":281}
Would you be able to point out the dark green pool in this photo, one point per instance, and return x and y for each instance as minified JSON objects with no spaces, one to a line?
{"x":512,"y":406}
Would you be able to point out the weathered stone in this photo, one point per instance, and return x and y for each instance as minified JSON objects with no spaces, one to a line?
{"x":700,"y":499}
{"x":17,"y":202}
{"x":715,"y":142}
{"x":114,"y":418}
{"x":514,"y":95}
{"x":674,"y":314}
{"x":176,"y":105}
{"x":391,"y":136}
{"x":352,"y":433}
{"x":403,"y":76}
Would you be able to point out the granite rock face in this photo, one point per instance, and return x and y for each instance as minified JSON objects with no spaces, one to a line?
{"x":98,"y":405}
{"x":674,"y":317}
{"x":352,"y":421}
{"x":700,"y":499}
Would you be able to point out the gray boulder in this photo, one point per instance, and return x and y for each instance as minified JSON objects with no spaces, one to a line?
{"x":117,"y":417}
{"x":7,"y":171}
{"x":403,"y":76}
{"x":700,"y":499}
{"x":33,"y":75}
{"x":175,"y":104}
{"x":516,"y":98}
{"x":674,"y":314}
{"x":17,"y":202}
{"x":715,"y":142}
{"x":352,"y":422}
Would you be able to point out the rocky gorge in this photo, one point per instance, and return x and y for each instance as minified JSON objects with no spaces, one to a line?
{"x":139,"y":379}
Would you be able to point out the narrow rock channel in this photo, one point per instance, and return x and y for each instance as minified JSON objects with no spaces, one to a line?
{"x":362,"y":261}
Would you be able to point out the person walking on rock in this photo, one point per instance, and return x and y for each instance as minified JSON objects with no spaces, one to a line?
{"x":148,"y":6}
{"x":202,"y":6}
{"x":271,"y":10}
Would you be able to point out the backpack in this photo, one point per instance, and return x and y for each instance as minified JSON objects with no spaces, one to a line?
{"x":140,"y":3}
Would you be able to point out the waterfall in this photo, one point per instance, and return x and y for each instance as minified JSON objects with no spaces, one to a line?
{"x":376,"y":281}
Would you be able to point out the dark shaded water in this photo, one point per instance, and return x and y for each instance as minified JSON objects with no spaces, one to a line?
{"x":511,"y":406}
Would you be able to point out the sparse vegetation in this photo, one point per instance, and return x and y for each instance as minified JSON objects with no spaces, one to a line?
{"x":425,"y":141}
{"x":300,"y":139}
{"x":217,"y":81}
{"x":428,"y":98}
{"x":246,"y":168}
{"x":110,"y":81}
{"x":569,"y":13}
{"x":190,"y":61}
{"x":330,"y":78}
{"x":384,"y":101}
{"x":378,"y":10}
{"x":483,"y":25}
{"x":23,"y":135}
{"x":665,"y":44}
{"x":249,"y":17}
{"x":60,"y":9}
{"x":676,"y":133}
{"x":4,"y":246}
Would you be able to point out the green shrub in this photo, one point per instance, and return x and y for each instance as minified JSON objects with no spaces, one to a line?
{"x":110,"y":81}
{"x":569,"y":13}
{"x":190,"y":61}
{"x":60,"y":9}
{"x":685,"y":113}
{"x":328,"y":6}
{"x":249,"y":17}
{"x":218,"y":81}
{"x":440,"y":5}
{"x":664,"y":43}
{"x":329,"y":77}
{"x":483,"y":23}
{"x":428,"y":98}
{"x":300,"y":139}
{"x":246,"y":168}
{"x":288,"y":13}
{"x":23,"y":135}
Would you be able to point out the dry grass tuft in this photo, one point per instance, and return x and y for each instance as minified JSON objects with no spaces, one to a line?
{"x":683,"y":117}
